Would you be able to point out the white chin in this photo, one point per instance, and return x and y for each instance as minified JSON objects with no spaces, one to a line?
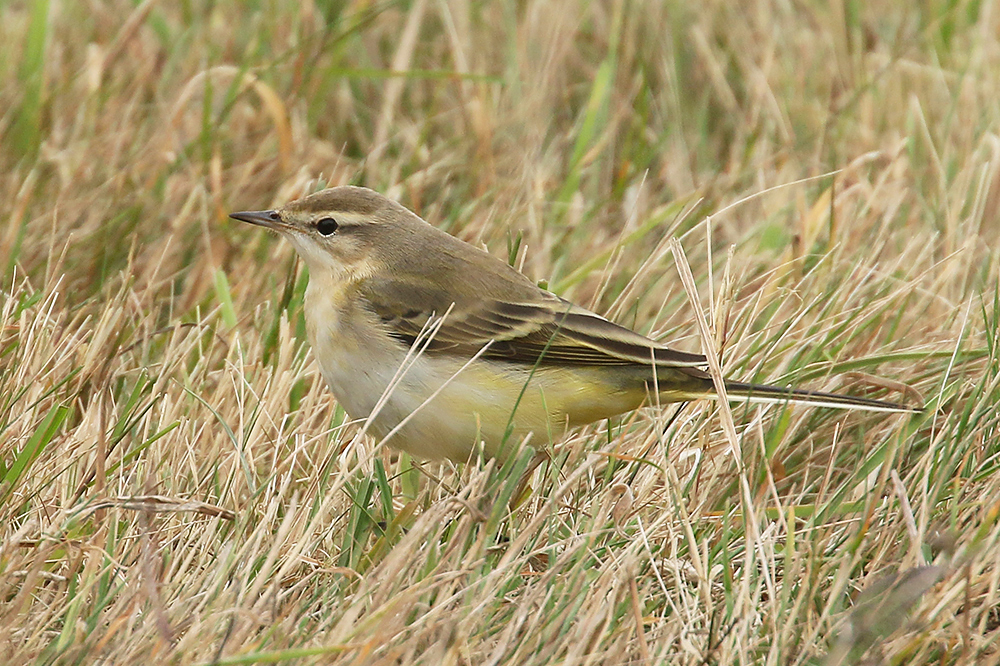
{"x":311,"y":253}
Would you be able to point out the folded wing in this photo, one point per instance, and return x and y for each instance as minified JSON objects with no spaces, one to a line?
{"x":545,"y":330}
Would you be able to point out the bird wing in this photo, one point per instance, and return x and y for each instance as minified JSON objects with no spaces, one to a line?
{"x":544,"y":329}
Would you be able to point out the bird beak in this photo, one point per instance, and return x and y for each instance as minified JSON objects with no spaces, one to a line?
{"x":262,"y":218}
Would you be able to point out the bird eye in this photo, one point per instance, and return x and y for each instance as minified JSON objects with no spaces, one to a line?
{"x":327,"y":226}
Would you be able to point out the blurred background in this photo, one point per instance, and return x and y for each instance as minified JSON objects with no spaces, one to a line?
{"x":176,"y":481}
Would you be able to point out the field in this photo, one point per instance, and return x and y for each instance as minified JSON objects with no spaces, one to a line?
{"x":177,"y":484}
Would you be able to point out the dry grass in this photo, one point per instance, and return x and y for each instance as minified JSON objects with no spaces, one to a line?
{"x":177,"y":484}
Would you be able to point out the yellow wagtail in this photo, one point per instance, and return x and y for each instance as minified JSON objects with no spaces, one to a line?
{"x":441,"y":345}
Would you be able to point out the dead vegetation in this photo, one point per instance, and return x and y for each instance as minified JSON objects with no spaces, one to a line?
{"x":177,"y":484}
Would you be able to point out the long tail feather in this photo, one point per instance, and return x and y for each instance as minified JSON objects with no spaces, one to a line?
{"x":777,"y":394}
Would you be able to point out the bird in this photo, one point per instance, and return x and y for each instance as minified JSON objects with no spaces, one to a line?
{"x":444,"y":349}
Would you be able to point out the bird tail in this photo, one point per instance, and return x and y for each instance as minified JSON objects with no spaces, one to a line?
{"x":765,"y":393}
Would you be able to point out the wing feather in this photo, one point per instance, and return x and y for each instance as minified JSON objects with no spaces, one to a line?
{"x":547,"y":330}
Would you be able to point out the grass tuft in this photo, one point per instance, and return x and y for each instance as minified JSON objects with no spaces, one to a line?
{"x":176,"y":482}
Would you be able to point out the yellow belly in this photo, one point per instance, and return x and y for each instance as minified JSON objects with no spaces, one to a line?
{"x":500,"y":405}
{"x":436,"y":406}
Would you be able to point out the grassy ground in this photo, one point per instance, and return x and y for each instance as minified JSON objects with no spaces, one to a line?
{"x":177,"y":484}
